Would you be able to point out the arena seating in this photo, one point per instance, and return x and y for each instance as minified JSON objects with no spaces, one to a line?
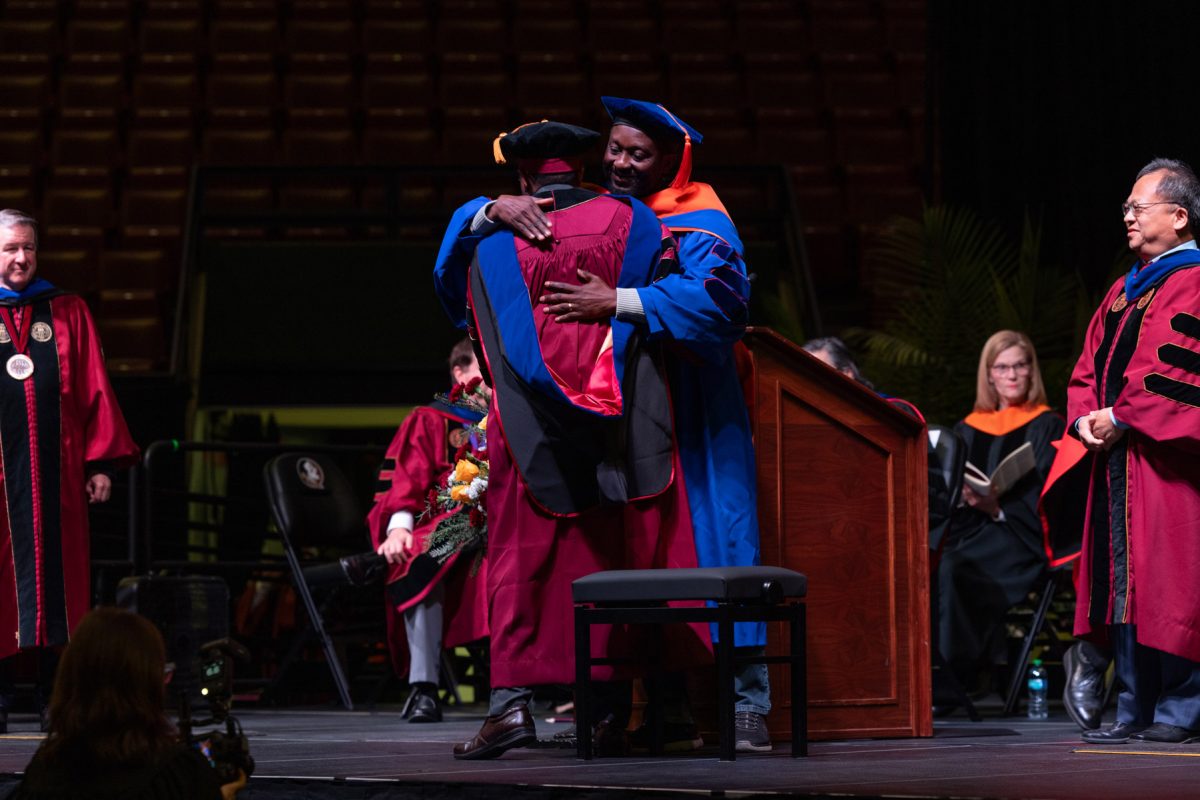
{"x":107,"y":104}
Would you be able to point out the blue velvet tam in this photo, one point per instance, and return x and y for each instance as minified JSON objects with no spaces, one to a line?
{"x":651,"y":119}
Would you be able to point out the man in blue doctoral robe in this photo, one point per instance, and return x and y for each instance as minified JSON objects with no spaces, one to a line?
{"x":701,"y":312}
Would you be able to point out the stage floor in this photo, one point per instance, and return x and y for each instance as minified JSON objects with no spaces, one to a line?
{"x":323,"y":753}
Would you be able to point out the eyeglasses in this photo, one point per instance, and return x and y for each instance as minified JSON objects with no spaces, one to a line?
{"x":1138,"y":208}
{"x":1018,"y":368}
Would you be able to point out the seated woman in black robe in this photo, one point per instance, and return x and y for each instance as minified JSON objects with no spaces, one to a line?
{"x":993,"y":554}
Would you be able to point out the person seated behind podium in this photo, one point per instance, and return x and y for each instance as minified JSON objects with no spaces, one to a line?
{"x":109,"y":736}
{"x":993,"y":554}
{"x":833,"y":351}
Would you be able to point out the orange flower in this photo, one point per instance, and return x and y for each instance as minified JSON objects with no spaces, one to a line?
{"x":459,"y":493}
{"x":482,"y":424}
{"x":465,"y":471}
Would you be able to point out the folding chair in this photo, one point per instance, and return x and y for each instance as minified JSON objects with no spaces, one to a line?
{"x":314,"y":505}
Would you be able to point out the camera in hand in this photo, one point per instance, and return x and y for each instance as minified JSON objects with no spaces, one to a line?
{"x":226,"y":749}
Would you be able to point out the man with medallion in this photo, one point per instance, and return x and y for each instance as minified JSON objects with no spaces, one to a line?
{"x":1134,"y":402}
{"x":61,"y":435}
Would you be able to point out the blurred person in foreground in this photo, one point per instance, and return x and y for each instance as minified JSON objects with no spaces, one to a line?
{"x":61,"y":437}
{"x":992,"y":554}
{"x":109,"y":736}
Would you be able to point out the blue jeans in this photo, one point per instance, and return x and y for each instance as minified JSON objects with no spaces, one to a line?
{"x":751,"y":686}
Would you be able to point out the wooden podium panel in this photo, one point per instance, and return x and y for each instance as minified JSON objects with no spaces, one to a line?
{"x":842,"y":498}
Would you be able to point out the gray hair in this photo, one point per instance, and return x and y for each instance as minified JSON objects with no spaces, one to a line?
{"x":1177,"y":185}
{"x":839,"y":357}
{"x":11,"y":218}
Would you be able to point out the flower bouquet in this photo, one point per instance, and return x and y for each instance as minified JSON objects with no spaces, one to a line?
{"x":464,"y":528}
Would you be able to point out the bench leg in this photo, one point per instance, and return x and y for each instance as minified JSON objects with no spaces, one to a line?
{"x":583,"y":684}
{"x":724,"y":648}
{"x":654,"y":714}
{"x":799,"y":656}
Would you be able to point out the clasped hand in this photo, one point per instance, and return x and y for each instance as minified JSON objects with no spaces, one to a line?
{"x":1097,"y":431}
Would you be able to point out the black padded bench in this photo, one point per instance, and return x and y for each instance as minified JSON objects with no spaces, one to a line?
{"x":741,"y":594}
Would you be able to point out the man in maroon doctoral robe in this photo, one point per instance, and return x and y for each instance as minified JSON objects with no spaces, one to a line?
{"x":61,"y":432}
{"x":442,"y":605}
{"x":580,"y":438}
{"x":1134,"y":401}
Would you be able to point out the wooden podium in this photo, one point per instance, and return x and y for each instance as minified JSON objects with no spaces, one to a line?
{"x":842,"y":498}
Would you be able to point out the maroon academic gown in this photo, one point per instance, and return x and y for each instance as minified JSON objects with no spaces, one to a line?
{"x":418,"y":459}
{"x":55,"y":427}
{"x":533,"y":555}
{"x":1141,"y":544}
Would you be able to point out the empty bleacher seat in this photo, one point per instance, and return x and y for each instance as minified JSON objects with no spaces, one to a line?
{"x":98,"y":147}
{"x":319,"y":137}
{"x":469,"y":78}
{"x":331,"y":87}
{"x":18,"y":187}
{"x":244,"y":36}
{"x":153,"y":213}
{"x":400,"y":135}
{"x":254,"y":143}
{"x":622,"y":25}
{"x":30,"y":36}
{"x":98,"y":36}
{"x":170,"y":36}
{"x":621,"y":73}
{"x":336,"y":35}
{"x":136,"y":269}
{"x":696,"y":79}
{"x":397,"y":80}
{"x":794,"y":136}
{"x":74,"y":270}
{"x":133,"y":344}
{"x":552,"y":79}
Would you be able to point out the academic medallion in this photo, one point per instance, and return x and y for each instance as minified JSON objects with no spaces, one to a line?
{"x":19,"y":366}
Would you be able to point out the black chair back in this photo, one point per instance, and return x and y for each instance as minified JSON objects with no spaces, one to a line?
{"x":947,"y":458}
{"x":313,"y":502}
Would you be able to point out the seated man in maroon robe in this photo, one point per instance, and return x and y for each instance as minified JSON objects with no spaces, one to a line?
{"x":440,"y":605}
{"x":580,"y":442}
{"x":61,"y":433}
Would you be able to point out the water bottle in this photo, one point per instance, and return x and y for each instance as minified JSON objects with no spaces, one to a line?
{"x":1037,"y":690}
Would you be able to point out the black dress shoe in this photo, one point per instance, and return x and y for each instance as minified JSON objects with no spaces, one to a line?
{"x":1170,"y":734}
{"x":3,"y":720}
{"x":424,"y":708}
{"x":1119,"y":733}
{"x":1083,"y":694}
{"x":609,"y":740}
{"x":513,"y":728}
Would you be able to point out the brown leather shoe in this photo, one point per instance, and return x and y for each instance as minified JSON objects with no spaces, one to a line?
{"x":513,"y":728}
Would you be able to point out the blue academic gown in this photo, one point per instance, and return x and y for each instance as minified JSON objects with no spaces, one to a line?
{"x":703,"y":311}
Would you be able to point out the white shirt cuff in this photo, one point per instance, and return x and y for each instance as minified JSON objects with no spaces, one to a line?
{"x":1116,"y":423}
{"x":629,"y":306}
{"x":481,"y":223}
{"x":401,"y":519}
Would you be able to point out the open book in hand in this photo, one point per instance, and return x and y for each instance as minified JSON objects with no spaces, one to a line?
{"x":1014,"y":467}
